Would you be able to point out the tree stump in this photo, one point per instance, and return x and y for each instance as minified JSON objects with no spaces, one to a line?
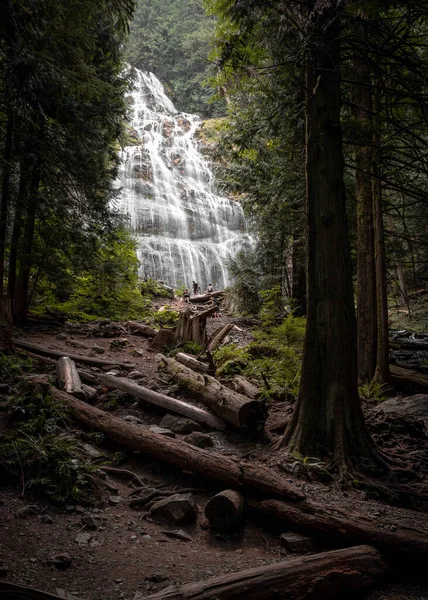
{"x":224,"y":510}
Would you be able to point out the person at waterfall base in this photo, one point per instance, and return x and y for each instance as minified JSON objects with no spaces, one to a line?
{"x":186,"y":295}
{"x":210,"y":288}
{"x":195,"y":288}
{"x":216,"y":302}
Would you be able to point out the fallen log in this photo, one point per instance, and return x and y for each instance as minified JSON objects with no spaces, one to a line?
{"x":193,"y":363}
{"x":210,"y":465}
{"x":172,"y":404}
{"x":245,"y":387}
{"x":242,"y":412}
{"x":217,"y":339}
{"x":141,"y":329}
{"x":207,"y":296}
{"x":404,"y":378}
{"x":68,"y":377}
{"x":37,"y":349}
{"x":225,"y":510}
{"x":343,"y":528}
{"x":335,"y":574}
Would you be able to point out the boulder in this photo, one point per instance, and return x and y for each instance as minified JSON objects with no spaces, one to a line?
{"x":296,"y":543}
{"x":164,"y":337}
{"x":179,"y":424}
{"x":415,"y":407}
{"x":201,"y":440}
{"x":179,"y":509}
{"x":162,"y":431}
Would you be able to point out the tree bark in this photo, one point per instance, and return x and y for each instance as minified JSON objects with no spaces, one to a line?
{"x":344,"y":527}
{"x":193,"y":363}
{"x":245,"y":387}
{"x":171,"y":404}
{"x":336,"y":574}
{"x":68,"y":377}
{"x":207,"y":464}
{"x":366,"y":274}
{"x":218,"y":338}
{"x":5,"y":196}
{"x":382,"y":374}
{"x":225,"y":510}
{"x":238,"y":410}
{"x":20,"y":304}
{"x":191,"y":327}
{"x":142,"y":329}
{"x":407,"y":379}
{"x":328,"y":421}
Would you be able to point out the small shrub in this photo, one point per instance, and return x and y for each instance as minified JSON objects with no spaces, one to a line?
{"x":166,"y":318}
{"x":373,"y":392}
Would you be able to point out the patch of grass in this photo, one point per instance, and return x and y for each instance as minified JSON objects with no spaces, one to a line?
{"x":373,"y":392}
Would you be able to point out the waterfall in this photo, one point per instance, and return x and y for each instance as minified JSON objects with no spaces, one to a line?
{"x":184,"y":230}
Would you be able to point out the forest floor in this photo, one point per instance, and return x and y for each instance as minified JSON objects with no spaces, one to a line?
{"x":117,"y":554}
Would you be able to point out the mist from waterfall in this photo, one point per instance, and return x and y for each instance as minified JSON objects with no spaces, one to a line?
{"x":184,"y":229}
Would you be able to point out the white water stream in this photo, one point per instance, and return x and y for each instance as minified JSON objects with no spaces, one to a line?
{"x":185,"y":231}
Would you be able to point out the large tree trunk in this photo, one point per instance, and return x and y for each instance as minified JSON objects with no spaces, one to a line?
{"x":337,"y":574}
{"x":366,"y":284}
{"x":207,"y":464}
{"x":172,"y":404}
{"x":327,"y":421}
{"x":238,"y":410}
{"x":344,"y":528}
{"x":298,"y":287}
{"x":382,"y":374}
{"x":26,"y":258}
{"x":5,"y":197}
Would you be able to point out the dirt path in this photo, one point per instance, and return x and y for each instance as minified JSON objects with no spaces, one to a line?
{"x":117,"y":554}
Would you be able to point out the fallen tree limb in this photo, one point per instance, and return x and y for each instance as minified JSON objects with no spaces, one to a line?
{"x":336,"y":574}
{"x":245,"y":387}
{"x":344,"y":528}
{"x":217,"y":339}
{"x":68,"y":377}
{"x":193,"y":363}
{"x":205,"y":297}
{"x":173,"y":404}
{"x":404,"y":378}
{"x":141,"y":329}
{"x":213,"y":466}
{"x":122,"y":473}
{"x":36,"y":348}
{"x":247,"y":414}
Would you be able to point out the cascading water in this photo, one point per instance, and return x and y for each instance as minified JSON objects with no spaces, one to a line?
{"x":185,"y":231}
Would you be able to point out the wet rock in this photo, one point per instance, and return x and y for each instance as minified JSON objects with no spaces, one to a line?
{"x":164,"y":337}
{"x":27,"y":511}
{"x":115,"y":500}
{"x":62,"y":336}
{"x":76,"y":344}
{"x":132,"y":419}
{"x":296,"y":543}
{"x":180,"y":508}
{"x":162,"y":431}
{"x":135,"y":375}
{"x":201,"y":440}
{"x":46,"y":519}
{"x":89,"y":522}
{"x":411,"y":406}
{"x":156,"y":578}
{"x":179,"y":424}
{"x":61,"y":561}
{"x":83,"y":539}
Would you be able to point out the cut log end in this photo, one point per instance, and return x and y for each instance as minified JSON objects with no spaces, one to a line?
{"x":252,"y":416}
{"x":224,"y":511}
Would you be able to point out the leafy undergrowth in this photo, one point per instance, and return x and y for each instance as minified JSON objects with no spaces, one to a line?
{"x":273,"y":358}
{"x":36,"y":452}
